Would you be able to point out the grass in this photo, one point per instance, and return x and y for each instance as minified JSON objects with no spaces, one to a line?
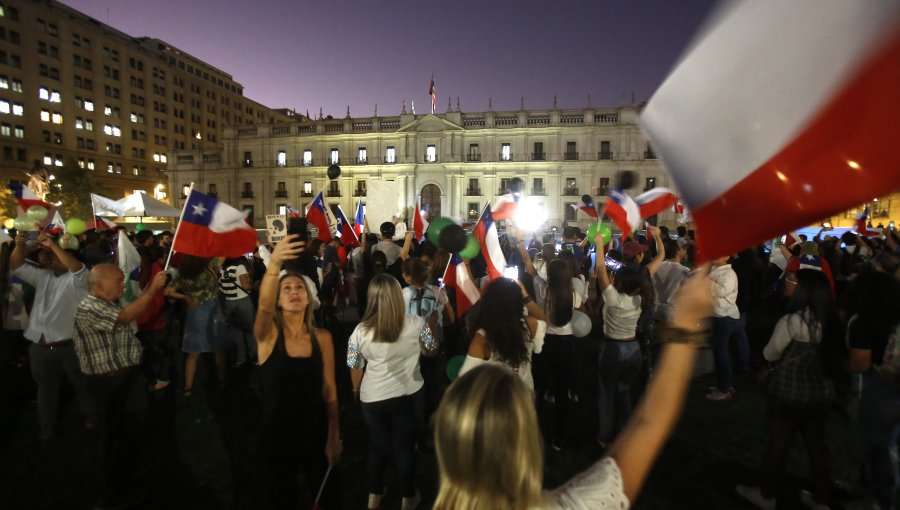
{"x":205,"y":454}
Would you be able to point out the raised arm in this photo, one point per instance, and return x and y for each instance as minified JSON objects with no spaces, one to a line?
{"x":72,"y":264}
{"x":264,"y":327}
{"x":600,"y":264}
{"x":407,"y":245}
{"x":17,"y":257}
{"x":133,"y":310}
{"x":639,"y":444}
{"x":657,"y":261}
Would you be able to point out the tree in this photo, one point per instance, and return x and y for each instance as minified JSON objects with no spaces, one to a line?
{"x":73,"y":187}
{"x":7,"y":203}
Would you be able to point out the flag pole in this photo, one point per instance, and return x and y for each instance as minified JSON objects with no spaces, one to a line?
{"x":178,"y":227}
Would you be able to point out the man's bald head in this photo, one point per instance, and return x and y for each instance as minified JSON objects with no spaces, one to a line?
{"x":107,"y":282}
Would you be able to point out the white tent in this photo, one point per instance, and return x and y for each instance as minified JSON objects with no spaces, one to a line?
{"x":141,"y":204}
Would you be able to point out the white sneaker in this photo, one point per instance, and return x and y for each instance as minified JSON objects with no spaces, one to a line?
{"x":374,"y":501}
{"x":807,"y":498}
{"x":411,"y":503}
{"x":754,"y":496}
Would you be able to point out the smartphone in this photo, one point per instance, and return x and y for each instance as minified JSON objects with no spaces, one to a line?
{"x":511,"y":272}
{"x":827,"y":226}
{"x":613,"y":264}
{"x":891,"y":225}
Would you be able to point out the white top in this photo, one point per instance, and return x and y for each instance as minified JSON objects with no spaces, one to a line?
{"x":533,"y":344}
{"x":597,"y":488}
{"x":356,"y":260}
{"x":620,"y":314}
{"x":230,"y":282}
{"x":667,"y":280}
{"x":55,"y":301}
{"x":725,"y":291}
{"x":579,"y":296}
{"x":390,"y":249}
{"x":392,"y":369}
{"x":791,"y":327}
{"x":15,"y":315}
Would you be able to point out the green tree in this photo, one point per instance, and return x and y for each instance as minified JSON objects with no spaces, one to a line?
{"x":7,"y":203}
{"x":73,"y":187}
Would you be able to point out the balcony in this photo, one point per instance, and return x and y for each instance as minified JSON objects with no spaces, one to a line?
{"x":504,"y":191}
{"x":246,"y":194}
{"x":473,"y":192}
{"x":362,"y":161}
{"x":570,"y":192}
{"x":281,"y":194}
{"x":570,"y":156}
{"x":334,"y":193}
{"x":306,"y":194}
{"x":359,"y":192}
{"x":390,"y":161}
{"x":605,"y":155}
{"x":213,"y":194}
{"x":429,"y":159}
{"x":538,"y":156}
{"x":335,"y":161}
{"x":505,"y":157}
{"x":473,"y":158}
{"x":601,"y":191}
{"x":308,"y":162}
{"x":248,"y":163}
{"x":539,"y":192}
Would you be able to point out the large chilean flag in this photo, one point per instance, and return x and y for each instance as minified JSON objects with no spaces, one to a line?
{"x":456,"y":276}
{"x":210,"y":228}
{"x":317,"y":214}
{"x":781,"y":114}
{"x":486,"y":233}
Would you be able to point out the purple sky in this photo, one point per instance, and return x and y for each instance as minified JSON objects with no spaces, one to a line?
{"x":334,"y":53}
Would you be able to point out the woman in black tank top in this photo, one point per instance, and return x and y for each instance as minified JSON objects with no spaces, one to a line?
{"x":300,"y":431}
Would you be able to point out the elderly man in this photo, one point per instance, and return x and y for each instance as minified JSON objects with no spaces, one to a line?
{"x":109,"y":354}
{"x":60,"y":283}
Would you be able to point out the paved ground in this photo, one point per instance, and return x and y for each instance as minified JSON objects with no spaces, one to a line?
{"x":205,"y":447}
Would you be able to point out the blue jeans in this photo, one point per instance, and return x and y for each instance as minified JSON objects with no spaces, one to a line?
{"x":724,"y":329}
{"x":392,"y":429}
{"x":239,"y":315}
{"x":879,"y":429}
{"x":620,"y":368}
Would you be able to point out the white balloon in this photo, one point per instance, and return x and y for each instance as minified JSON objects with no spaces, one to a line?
{"x":581,"y":324}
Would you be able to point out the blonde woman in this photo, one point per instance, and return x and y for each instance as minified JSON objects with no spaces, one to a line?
{"x":489,"y":447}
{"x":383,"y":355}
{"x":300,"y":430}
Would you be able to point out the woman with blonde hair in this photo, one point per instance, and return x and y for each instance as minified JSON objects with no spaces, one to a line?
{"x":300,"y":429}
{"x":489,"y":447}
{"x":383,"y":355}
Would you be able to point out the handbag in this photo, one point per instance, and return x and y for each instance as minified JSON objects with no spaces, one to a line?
{"x":764,"y":375}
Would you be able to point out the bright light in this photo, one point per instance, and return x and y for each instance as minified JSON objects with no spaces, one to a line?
{"x":853,"y":164}
{"x":159,"y":187}
{"x":530,"y":214}
{"x":781,"y":176}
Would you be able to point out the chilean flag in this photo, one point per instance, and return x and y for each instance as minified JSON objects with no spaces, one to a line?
{"x":623,"y":210}
{"x":419,"y":224}
{"x":793,"y":109}
{"x":358,"y":219}
{"x":587,"y":205}
{"x":56,"y":226}
{"x":861,"y":227}
{"x":25,"y":197}
{"x":682,"y":213}
{"x":655,"y":201}
{"x":317,"y":214}
{"x":433,"y":94}
{"x":456,"y":276}
{"x":506,"y":206}
{"x":348,"y":236}
{"x":486,"y":233}
{"x":210,"y":228}
{"x":100,"y":224}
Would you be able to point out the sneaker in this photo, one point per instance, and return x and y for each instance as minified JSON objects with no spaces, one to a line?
{"x":754,"y":496}
{"x":374,"y":501}
{"x":807,"y":499}
{"x":718,"y":395}
{"x":411,"y":503}
{"x":573,"y":396}
{"x":557,"y":443}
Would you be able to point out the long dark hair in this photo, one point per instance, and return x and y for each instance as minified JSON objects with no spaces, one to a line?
{"x":190,"y":266}
{"x":812,"y":297}
{"x":558,"y":303}
{"x":500,"y":316}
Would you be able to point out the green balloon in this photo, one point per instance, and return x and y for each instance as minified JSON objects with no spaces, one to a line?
{"x":75,"y":226}
{"x":25,"y":223}
{"x":140,"y":227}
{"x":72,"y":243}
{"x":434,"y":229}
{"x":37,"y":212}
{"x":453,"y":366}
{"x":471,"y":250}
{"x":599,"y":228}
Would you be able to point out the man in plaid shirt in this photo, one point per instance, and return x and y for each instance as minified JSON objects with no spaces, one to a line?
{"x":109,"y":354}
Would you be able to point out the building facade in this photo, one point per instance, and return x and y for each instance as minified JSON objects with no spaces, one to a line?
{"x":75,"y":89}
{"x":454,"y":162}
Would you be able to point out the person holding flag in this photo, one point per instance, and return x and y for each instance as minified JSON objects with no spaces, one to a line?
{"x":486,"y":233}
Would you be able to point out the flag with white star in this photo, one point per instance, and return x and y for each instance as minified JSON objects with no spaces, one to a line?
{"x":211,"y":228}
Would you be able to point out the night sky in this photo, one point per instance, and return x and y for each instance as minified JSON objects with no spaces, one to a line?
{"x":334,"y":53}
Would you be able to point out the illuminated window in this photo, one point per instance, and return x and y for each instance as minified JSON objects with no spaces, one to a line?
{"x":45,"y":115}
{"x":361,"y":155}
{"x":48,"y":159}
{"x":18,"y":109}
{"x":58,"y":161}
{"x":55,"y":97}
{"x":88,"y":105}
{"x":20,"y":132}
{"x":4,"y":83}
{"x":79,"y":123}
{"x":4,"y":106}
{"x":281,"y":159}
{"x":335,"y":157}
{"x":44,"y":93}
{"x":430,"y":154}
{"x":505,"y":153}
{"x":307,"y":157}
{"x":390,"y":155}
{"x":5,"y":129}
{"x":90,"y":164}
{"x":57,"y":118}
{"x":307,"y":188}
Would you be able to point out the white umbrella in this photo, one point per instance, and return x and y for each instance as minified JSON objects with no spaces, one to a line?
{"x":141,"y":204}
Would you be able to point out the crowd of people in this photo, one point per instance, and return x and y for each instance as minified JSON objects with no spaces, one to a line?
{"x":650,"y":305}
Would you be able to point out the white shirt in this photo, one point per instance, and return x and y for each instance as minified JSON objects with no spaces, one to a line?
{"x":667,"y":280}
{"x":55,"y":301}
{"x":620,"y":314}
{"x":725,"y":291}
{"x":579,"y":296}
{"x":790,"y":328}
{"x":533,"y":345}
{"x":392,"y":369}
{"x":390,"y":249}
{"x":598,"y":487}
